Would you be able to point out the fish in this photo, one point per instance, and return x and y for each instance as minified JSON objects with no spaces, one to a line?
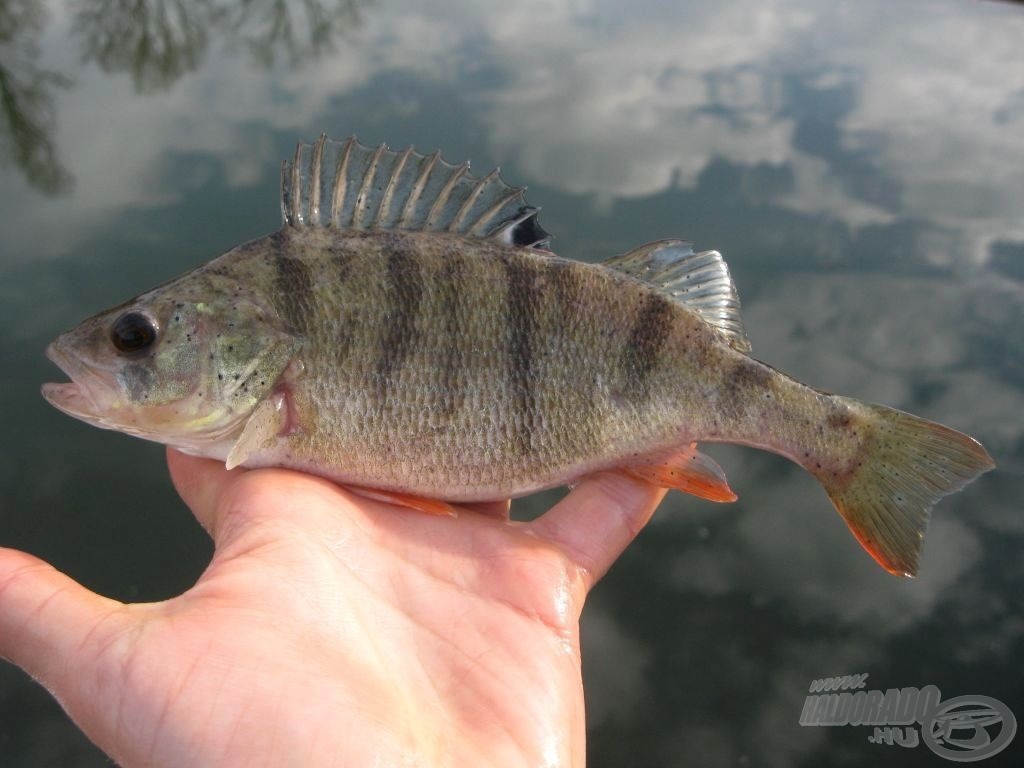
{"x":408,"y":331}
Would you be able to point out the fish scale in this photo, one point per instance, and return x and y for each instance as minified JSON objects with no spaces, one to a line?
{"x":536,"y":393}
{"x":527,"y":377}
{"x":409,"y":331}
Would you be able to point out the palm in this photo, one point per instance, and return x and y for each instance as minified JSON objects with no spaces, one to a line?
{"x":329,"y":625}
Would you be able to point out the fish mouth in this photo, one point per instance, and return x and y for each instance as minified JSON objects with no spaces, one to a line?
{"x":93,"y":395}
{"x":78,"y":397}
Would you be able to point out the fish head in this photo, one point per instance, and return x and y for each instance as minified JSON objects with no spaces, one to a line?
{"x":184,"y":364}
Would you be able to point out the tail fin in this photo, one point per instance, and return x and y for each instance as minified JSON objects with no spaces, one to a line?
{"x":908,"y":464}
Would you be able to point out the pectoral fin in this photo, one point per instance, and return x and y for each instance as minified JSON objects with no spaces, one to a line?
{"x":688,"y":470}
{"x":267,"y":421}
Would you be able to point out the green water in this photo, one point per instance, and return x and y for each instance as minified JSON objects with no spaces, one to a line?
{"x":860,"y":165}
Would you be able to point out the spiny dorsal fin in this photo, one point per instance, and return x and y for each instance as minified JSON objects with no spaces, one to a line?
{"x":699,"y":281}
{"x":350,"y":186}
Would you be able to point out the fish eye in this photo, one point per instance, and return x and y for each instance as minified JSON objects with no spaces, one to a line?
{"x":133,"y":332}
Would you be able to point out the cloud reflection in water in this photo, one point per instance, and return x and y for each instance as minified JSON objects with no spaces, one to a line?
{"x":859,"y":165}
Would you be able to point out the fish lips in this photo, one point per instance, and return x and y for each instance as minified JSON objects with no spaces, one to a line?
{"x":79,"y":397}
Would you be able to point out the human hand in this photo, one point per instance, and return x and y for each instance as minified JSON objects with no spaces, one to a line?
{"x":330,"y":629}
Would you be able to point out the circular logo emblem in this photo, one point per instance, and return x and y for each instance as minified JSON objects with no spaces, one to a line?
{"x":968,"y":728}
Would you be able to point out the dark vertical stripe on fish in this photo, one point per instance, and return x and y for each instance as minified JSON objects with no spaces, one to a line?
{"x":341,"y":261}
{"x":523,"y":300}
{"x":294,"y":284}
{"x":405,"y":289}
{"x":578,"y":402}
{"x":644,"y":345}
{"x":451,"y":390}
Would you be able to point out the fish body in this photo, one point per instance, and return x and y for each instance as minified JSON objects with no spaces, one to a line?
{"x":408,"y":330}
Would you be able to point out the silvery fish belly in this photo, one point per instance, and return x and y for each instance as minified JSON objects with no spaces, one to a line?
{"x":408,"y":330}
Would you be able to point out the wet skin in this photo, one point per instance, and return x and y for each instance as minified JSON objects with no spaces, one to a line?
{"x":333,"y":629}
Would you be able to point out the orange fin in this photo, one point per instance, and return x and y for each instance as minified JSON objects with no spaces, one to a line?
{"x":886,"y":497}
{"x":689,"y":471}
{"x":419,"y":503}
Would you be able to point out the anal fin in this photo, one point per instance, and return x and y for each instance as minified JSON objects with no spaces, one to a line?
{"x":688,"y":470}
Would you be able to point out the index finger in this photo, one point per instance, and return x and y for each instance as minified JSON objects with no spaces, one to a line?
{"x":595,"y":523}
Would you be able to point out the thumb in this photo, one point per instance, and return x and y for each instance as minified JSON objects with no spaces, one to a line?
{"x":47,"y":619}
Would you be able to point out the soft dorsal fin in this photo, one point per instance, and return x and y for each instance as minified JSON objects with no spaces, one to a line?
{"x":700,"y":281}
{"x":347,"y":185}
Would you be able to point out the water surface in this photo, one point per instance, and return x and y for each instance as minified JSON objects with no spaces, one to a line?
{"x":860,"y":165}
